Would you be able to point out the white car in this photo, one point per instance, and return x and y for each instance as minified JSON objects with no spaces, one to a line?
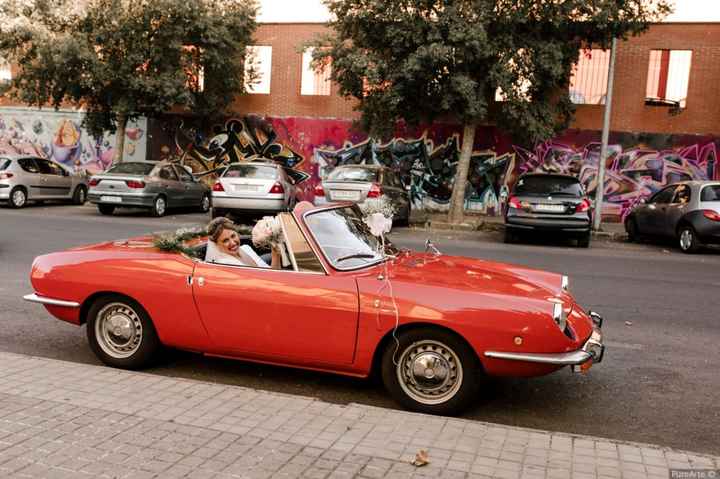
{"x":255,"y":187}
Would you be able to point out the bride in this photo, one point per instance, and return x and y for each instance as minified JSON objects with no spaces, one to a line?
{"x":224,"y":247}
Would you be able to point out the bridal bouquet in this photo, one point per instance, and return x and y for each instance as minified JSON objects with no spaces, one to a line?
{"x":267,"y":232}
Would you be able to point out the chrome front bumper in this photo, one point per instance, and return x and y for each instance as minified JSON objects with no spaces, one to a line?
{"x":593,"y":349}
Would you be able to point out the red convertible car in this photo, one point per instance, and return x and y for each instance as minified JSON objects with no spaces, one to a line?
{"x":431,"y":324}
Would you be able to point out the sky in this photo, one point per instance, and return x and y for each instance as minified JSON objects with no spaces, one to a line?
{"x":301,"y":11}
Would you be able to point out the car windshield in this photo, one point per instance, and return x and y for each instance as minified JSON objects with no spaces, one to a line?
{"x":132,"y":169}
{"x":709,"y":193}
{"x":258,"y":172}
{"x":4,"y":163}
{"x":548,"y":185}
{"x":353,"y":174}
{"x":345,"y":238}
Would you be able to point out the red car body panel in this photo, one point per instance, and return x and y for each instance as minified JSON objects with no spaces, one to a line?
{"x":331,"y":322}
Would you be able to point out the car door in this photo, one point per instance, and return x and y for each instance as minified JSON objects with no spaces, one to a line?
{"x":33,"y":179}
{"x":171,"y":185}
{"x":678,"y":207}
{"x":301,"y":315}
{"x":192,"y":191}
{"x":57,"y":181}
{"x":651,"y":218}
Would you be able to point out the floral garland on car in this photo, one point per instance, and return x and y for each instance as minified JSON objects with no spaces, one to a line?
{"x":175,"y":242}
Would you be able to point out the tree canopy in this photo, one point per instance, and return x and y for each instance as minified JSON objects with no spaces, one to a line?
{"x":121,"y":59}
{"x":423,"y":60}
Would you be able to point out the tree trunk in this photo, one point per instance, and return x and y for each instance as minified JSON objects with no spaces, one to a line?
{"x":120,"y":138}
{"x":457,"y":200}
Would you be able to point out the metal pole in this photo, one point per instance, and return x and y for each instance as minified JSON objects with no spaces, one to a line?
{"x":604,"y":145}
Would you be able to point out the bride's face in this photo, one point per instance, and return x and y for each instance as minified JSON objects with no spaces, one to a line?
{"x":228,"y":242}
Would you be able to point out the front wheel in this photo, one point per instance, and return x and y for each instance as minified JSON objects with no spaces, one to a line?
{"x":79,"y":196}
{"x":120,"y":332}
{"x":631,"y":229}
{"x":688,"y":240}
{"x":159,"y":206}
{"x":431,"y":371}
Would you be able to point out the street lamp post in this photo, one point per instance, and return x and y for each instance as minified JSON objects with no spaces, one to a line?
{"x":597,"y":219}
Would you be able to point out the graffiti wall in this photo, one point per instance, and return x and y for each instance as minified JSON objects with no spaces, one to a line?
{"x":59,"y":136}
{"x":426,"y":157}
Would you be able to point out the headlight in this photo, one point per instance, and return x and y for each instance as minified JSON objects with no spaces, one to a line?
{"x":565,"y":283}
{"x":559,"y":316}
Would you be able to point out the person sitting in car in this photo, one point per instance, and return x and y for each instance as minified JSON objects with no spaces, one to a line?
{"x":224,"y":247}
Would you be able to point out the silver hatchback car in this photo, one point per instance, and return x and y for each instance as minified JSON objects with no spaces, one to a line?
{"x":156,"y":186}
{"x":30,"y":178}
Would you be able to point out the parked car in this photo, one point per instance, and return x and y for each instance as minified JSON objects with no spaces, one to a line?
{"x":156,"y":186}
{"x":255,"y":187}
{"x":541,"y":202}
{"x":442,"y":323}
{"x":30,"y":178}
{"x":357,"y":183}
{"x":688,"y":212}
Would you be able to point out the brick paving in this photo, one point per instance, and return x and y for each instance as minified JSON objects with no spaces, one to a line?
{"x":68,"y":420}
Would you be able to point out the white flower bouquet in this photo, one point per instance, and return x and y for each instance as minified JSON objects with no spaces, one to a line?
{"x":267,"y":232}
{"x":380,"y":205}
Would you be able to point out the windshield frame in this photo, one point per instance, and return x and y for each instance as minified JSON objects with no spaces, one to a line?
{"x":324,"y":255}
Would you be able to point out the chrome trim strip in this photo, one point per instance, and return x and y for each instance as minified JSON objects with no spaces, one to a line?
{"x":34,"y":298}
{"x":563,"y":359}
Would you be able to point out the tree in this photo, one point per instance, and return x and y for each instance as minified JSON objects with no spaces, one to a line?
{"x":122,"y":59}
{"x":422,"y":60}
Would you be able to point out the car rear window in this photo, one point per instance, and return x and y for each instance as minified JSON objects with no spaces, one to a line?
{"x":353,"y":174}
{"x":132,"y":168}
{"x":4,"y":163}
{"x":546,"y":185}
{"x":258,"y":172}
{"x":709,"y":193}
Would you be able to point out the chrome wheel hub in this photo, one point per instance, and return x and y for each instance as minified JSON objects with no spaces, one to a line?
{"x":686,"y":239}
{"x":118,"y":330}
{"x":160,"y":206}
{"x":429,"y":372}
{"x":18,"y":198}
{"x":206,"y":203}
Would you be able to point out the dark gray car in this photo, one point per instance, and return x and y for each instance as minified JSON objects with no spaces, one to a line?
{"x":551,"y":203}
{"x":688,"y":212}
{"x":29,"y":178}
{"x":156,"y":186}
{"x":357,"y":183}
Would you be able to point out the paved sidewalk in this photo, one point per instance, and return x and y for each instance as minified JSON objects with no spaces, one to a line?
{"x":68,"y":420}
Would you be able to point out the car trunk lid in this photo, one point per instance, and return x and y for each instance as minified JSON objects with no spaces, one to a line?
{"x":116,"y":183}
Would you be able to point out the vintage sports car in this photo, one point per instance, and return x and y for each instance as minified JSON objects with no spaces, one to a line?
{"x":430,"y":324}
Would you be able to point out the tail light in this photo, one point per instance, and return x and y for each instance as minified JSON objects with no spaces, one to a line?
{"x":711,"y":215}
{"x":583,"y":206}
{"x":135,"y":184}
{"x":5,"y":176}
{"x":218,"y":186}
{"x":93,"y":182}
{"x":277,"y":188}
{"x":375,"y":191}
{"x":513,"y":202}
{"x":319,"y":191}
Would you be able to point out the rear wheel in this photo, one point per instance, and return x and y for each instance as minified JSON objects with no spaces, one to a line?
{"x":159,"y":206}
{"x":431,"y":371}
{"x":120,"y":332}
{"x":688,"y":240}
{"x":510,"y":236}
{"x":584,"y":241}
{"x":205,"y":203}
{"x":18,"y":197}
{"x":106,"y":209}
{"x":216,"y":213}
{"x":79,"y":196}
{"x":631,"y":229}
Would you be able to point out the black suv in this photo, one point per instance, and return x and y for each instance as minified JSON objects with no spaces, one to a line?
{"x":548,"y":202}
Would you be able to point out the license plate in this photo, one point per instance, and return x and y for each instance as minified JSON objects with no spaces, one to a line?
{"x":550,"y":208}
{"x":246,"y":187}
{"x":346,"y":195}
{"x":111,"y":199}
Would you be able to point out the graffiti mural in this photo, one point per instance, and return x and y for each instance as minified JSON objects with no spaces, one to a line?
{"x":59,"y":136}
{"x":426,"y":157}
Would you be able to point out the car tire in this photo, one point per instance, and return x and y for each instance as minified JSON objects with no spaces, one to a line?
{"x":510,"y":236}
{"x":79,"y":196}
{"x":451,"y":357}
{"x":120,"y":332}
{"x":632,"y":230}
{"x":18,"y":197}
{"x":217,"y":213}
{"x":688,"y":240}
{"x":159,"y":207}
{"x":106,"y":209}
{"x":205,"y":203}
{"x":584,"y":241}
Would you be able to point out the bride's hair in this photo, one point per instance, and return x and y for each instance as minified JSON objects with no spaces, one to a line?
{"x":216,"y":227}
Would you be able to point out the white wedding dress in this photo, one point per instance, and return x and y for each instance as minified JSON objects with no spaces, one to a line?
{"x":214,"y":255}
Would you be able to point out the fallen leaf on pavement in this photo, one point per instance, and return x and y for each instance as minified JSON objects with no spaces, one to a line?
{"x":628,"y":323}
{"x":421,"y":458}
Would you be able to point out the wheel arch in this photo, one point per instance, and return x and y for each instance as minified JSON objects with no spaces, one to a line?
{"x":376,"y":366}
{"x":90,"y":300}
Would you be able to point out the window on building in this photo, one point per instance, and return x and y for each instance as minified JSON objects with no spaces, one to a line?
{"x":668,"y":77}
{"x":258,"y":65}
{"x":5,"y":71}
{"x":588,"y":80}
{"x":314,"y":81}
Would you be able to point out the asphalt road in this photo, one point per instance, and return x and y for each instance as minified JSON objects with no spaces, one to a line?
{"x":659,"y":382}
